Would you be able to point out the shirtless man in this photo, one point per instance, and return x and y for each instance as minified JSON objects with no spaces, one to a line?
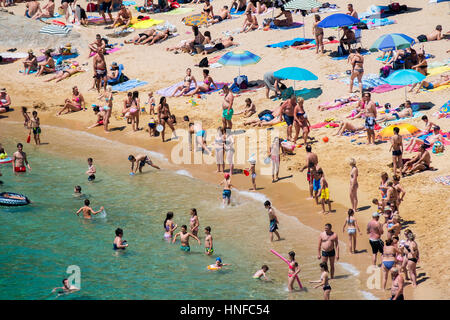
{"x":140,"y":160}
{"x":273,"y":221}
{"x":287,"y":112}
{"x":397,"y":150}
{"x":429,"y":141}
{"x":20,"y":160}
{"x":433,"y":36}
{"x":224,"y":14}
{"x":220,"y":45}
{"x":353,"y":185}
{"x":428,"y":125}
{"x":227,"y":108}
{"x":157,"y":36}
{"x":47,"y":11}
{"x":406,"y":112}
{"x":184,"y":238}
{"x":226,"y":193}
{"x":250,"y":22}
{"x":311,"y":157}
{"x":328,"y":247}
{"x":351,"y":11}
{"x":98,"y":44}
{"x":32,"y":7}
{"x":123,"y":17}
{"x":375,"y":230}
{"x":284,"y":22}
{"x":420,"y":162}
{"x":370,"y":112}
{"x":66,"y":288}
{"x":347,"y":38}
{"x":87,"y":210}
{"x":100,"y":72}
{"x":141,"y":37}
{"x":428,"y":85}
{"x":239,"y":5}
{"x":105,"y":6}
{"x":209,"y":248}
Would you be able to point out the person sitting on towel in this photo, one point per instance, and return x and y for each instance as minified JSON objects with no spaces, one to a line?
{"x":284,"y":22}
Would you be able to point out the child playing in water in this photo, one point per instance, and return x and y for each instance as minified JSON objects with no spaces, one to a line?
{"x":87,"y":210}
{"x":184,"y":238}
{"x":26,"y":118}
{"x":218,"y":265}
{"x":324,"y":192}
{"x":152,"y":127}
{"x":151,"y":103}
{"x":35,"y":123}
{"x":208,"y":241}
{"x":226,"y":194}
{"x":261,"y":273}
{"x":91,"y":171}
{"x":253,"y":173}
{"x":273,"y":221}
{"x":77,"y":191}
{"x":118,"y":242}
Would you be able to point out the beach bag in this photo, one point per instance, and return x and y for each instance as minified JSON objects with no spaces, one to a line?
{"x":361,"y":25}
{"x":422,"y":38}
{"x":91,"y":7}
{"x":385,"y":71}
{"x":203,"y":63}
{"x":438,"y":147}
{"x":241,"y":82}
{"x":342,"y":51}
{"x":394,"y":7}
{"x":264,"y":112}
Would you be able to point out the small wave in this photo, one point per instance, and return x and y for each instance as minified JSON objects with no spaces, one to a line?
{"x":349,"y":267}
{"x":368,"y":295}
{"x":254,"y":195}
{"x":184,"y":173}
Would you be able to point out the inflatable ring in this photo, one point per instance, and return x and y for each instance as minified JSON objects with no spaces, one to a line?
{"x":212,"y":267}
{"x":6,"y":160}
{"x":9,"y":202}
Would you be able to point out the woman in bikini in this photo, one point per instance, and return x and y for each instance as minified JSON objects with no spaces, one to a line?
{"x":357,"y":62}
{"x":294,"y":269}
{"x":77,"y":102}
{"x":165,"y":117}
{"x":61,"y":75}
{"x":383,"y":185}
{"x":186,"y":86}
{"x":323,"y":282}
{"x":208,"y":84}
{"x":169,"y":226}
{"x":141,"y":37}
{"x":208,"y":10}
{"x":134,"y":110}
{"x":351,"y":225}
{"x":127,"y":106}
{"x":107,"y":109}
{"x":389,"y":256}
{"x":412,"y":254}
{"x":193,"y":222}
{"x":318,"y":33}
{"x":48,"y":66}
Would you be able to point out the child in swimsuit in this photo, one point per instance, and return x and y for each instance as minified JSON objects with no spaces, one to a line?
{"x":261,"y":273}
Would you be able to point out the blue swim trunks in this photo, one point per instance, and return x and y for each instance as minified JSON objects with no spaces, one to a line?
{"x":186,"y":249}
{"x":226,"y":194}
{"x":289,"y":119}
{"x":316,"y":185}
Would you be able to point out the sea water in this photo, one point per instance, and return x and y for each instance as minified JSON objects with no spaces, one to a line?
{"x":40,"y":241}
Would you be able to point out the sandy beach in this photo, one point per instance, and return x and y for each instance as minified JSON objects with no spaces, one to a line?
{"x":426,"y":203}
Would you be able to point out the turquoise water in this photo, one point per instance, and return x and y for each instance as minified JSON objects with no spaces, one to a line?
{"x":41,"y":240}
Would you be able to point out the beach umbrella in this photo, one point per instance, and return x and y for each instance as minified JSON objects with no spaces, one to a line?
{"x":296,"y":74}
{"x":337,"y":20}
{"x":445,"y":108}
{"x":406,"y":130}
{"x":302,"y":5}
{"x":438,"y":1}
{"x":392,"y":41}
{"x":55,"y":30}
{"x":404,"y":78}
{"x":239,"y":58}
{"x":196,"y":20}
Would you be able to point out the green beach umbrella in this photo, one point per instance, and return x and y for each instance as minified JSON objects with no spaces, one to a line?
{"x":392,"y":41}
{"x":302,"y":5}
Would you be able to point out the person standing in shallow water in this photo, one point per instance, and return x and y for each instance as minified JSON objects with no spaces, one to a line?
{"x":273,"y":219}
{"x":352,"y":226}
{"x":328,"y":247}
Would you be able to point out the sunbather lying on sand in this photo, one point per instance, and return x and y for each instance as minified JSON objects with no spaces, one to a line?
{"x":267,"y":119}
{"x":64,"y":74}
{"x":224,"y":14}
{"x":339,"y":102}
{"x":394,"y":115}
{"x":349,"y":127}
{"x":220,"y":45}
{"x":256,"y":7}
{"x":428,"y":141}
{"x":444,"y":80}
{"x":158,"y":36}
{"x":141,"y":37}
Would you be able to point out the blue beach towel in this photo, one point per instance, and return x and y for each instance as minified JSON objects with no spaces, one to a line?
{"x":236,"y":13}
{"x":295,"y":25}
{"x":288,"y":43}
{"x":128,"y":85}
{"x":56,"y":15}
{"x":369,"y":81}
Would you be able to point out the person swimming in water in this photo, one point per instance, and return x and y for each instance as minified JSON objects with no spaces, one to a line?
{"x":218,"y":265}
{"x":261,"y":273}
{"x":169,"y":226}
{"x":184,"y":238}
{"x":66,"y":288}
{"x":119,"y":243}
{"x":77,"y":191}
{"x":87,"y":210}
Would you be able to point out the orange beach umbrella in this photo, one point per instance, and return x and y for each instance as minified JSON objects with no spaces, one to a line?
{"x":406,"y":130}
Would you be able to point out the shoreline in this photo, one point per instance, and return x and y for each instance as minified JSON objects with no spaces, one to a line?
{"x":279,"y":196}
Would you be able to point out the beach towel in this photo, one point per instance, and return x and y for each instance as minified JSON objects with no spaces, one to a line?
{"x":129,"y":3}
{"x":178,"y":11}
{"x":236,"y":13}
{"x":55,"y":30}
{"x":373,"y":23}
{"x":345,"y":57}
{"x":445,"y":180}
{"x":128,"y":85}
{"x":369,"y":81}
{"x":55,"y":15}
{"x":166,"y":92}
{"x":295,"y":25}
{"x":437,"y":70}
{"x":98,"y":20}
{"x":14,"y":55}
{"x":288,"y":43}
{"x":415,"y":115}
{"x":440,"y":88}
{"x":145,"y":24}
{"x":313,"y":45}
{"x":385,"y":88}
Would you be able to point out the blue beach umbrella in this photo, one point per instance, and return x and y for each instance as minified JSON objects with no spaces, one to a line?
{"x":405,"y":78}
{"x":239,"y":58}
{"x":338,"y":20}
{"x":296,"y":74}
{"x":392,"y":41}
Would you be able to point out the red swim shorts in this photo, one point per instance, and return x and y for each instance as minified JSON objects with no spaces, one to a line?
{"x":20,"y":169}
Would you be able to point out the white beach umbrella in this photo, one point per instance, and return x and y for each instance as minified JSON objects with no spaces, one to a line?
{"x":302,"y":5}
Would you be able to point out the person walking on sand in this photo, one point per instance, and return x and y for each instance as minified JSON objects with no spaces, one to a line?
{"x":323,"y":282}
{"x":273,"y":219}
{"x":351,"y":225}
{"x":357,"y":62}
{"x":353,"y":185}
{"x":20,"y":160}
{"x":184,"y":238}
{"x":100,"y":73}
{"x":328,"y":247}
{"x":311,"y":157}
{"x":226,"y":194}
{"x":370,"y":110}
{"x":227,"y":108}
{"x":397,"y":150}
{"x":274,"y":154}
{"x":375,"y":230}
{"x":141,"y":160}
{"x":398,"y":283}
{"x":324,"y":192}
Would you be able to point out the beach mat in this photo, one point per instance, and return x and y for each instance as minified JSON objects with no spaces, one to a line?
{"x":167,"y":92}
{"x":364,"y":53}
{"x":369,"y":81}
{"x":385,"y":88}
{"x":439,"y":88}
{"x":55,"y":16}
{"x":55,"y":30}
{"x":128,"y":85}
{"x":445,"y":180}
{"x":295,"y":25}
{"x":98,"y":20}
{"x":236,"y":13}
{"x":288,"y":43}
{"x":437,"y":70}
{"x":178,"y":11}
{"x":145,"y":24}
{"x":313,"y":45}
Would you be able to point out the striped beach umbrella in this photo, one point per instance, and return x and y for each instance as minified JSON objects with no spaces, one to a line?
{"x":302,"y":5}
{"x":55,"y":30}
{"x":239,"y":58}
{"x":196,"y":20}
{"x":406,"y":130}
{"x":392,"y":41}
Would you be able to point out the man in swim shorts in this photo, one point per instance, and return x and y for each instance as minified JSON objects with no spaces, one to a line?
{"x":328,"y":247}
{"x":375,"y":230}
{"x":106,"y":6}
{"x":208,"y":242}
{"x":287,"y":112}
{"x":227,"y":108}
{"x":91,"y":171}
{"x":273,"y":220}
{"x":397,"y":150}
{"x":100,"y":72}
{"x":141,"y":160}
{"x":311,"y":157}
{"x":87,"y":210}
{"x":370,"y":111}
{"x":184,"y":238}
{"x":20,"y":160}
{"x":226,"y":194}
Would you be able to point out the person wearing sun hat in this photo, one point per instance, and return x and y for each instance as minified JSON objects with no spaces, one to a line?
{"x":226,"y":193}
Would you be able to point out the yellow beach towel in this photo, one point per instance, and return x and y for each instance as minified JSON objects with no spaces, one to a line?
{"x":440,"y":88}
{"x":438,"y":70}
{"x":145,"y":24}
{"x":281,"y":124}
